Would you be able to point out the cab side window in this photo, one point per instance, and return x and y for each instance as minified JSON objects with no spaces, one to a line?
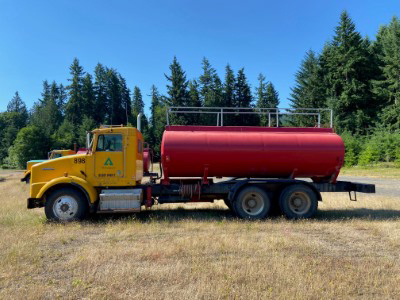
{"x":109,"y":142}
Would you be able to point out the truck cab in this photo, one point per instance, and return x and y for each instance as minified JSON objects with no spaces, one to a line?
{"x":71,"y":186}
{"x":53,"y":154}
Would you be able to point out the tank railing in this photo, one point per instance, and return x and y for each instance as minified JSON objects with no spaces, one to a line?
{"x":272,"y":113}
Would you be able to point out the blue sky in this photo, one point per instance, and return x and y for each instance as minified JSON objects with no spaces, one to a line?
{"x":39,"y":39}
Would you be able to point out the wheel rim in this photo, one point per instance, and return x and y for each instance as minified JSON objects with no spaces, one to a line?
{"x":65,"y":207}
{"x":253,"y":203}
{"x":299,"y":203}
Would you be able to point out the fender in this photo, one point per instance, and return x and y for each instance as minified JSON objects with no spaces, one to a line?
{"x":82,"y":184}
{"x":26,"y":174}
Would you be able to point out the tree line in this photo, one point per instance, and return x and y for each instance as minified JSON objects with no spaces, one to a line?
{"x":357,"y":77}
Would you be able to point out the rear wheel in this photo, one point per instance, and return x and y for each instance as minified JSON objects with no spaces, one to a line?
{"x":66,"y":205}
{"x":28,"y":179}
{"x":298,"y":202}
{"x":252,"y":203}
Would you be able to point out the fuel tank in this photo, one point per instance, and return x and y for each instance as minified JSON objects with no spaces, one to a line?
{"x":255,"y":152}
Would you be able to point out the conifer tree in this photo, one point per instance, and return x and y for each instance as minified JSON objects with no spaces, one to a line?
{"x":100,"y":91}
{"x":88,"y":99}
{"x":17,"y":105}
{"x":74,"y":107}
{"x":138,"y":107}
{"x":45,"y":93}
{"x":194,"y":101}
{"x":229,"y":88}
{"x":62,"y":98}
{"x":243,"y":98}
{"x":309,"y":91}
{"x":116,"y":113}
{"x":261,"y":94}
{"x":137,"y":102}
{"x":11,"y":122}
{"x":126,"y":100}
{"x":348,"y":78}
{"x":155,"y":102}
{"x":211,"y":90}
{"x":387,"y":87}
{"x":177,"y":90}
{"x":46,"y":115}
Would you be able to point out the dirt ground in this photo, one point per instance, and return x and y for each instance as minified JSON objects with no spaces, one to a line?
{"x":200,"y":251}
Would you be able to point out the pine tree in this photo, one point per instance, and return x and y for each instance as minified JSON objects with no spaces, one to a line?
{"x":229,"y":88}
{"x":211,"y":90}
{"x":137,"y":102}
{"x":54,"y":93}
{"x":261,"y":95}
{"x":194,"y":101}
{"x":116,"y":112}
{"x":88,"y":99}
{"x":177,"y":90}
{"x":243,"y":98}
{"x":74,"y":107}
{"x":17,"y":105}
{"x":11,"y":122}
{"x":45,"y":93}
{"x":100,"y":92}
{"x":348,"y":78}
{"x":138,"y":107}
{"x":126,"y":100}
{"x":309,"y":91}
{"x":155,"y":102}
{"x":46,"y":115}
{"x":62,"y":98}
{"x":272,"y":98}
{"x":387,"y":87}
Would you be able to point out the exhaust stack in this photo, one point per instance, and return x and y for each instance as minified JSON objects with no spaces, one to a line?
{"x":138,"y":122}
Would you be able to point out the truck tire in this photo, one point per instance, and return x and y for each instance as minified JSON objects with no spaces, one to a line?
{"x":28,"y":179}
{"x":65,"y":205}
{"x":298,"y":201}
{"x":252,"y":203}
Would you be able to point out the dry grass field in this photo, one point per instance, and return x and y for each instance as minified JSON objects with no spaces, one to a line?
{"x":381,"y":170}
{"x":350,"y":250}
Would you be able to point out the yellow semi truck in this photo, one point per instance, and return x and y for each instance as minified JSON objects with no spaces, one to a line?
{"x":52,"y":155}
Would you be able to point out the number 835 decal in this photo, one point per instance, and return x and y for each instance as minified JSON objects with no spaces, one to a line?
{"x":79,"y":160}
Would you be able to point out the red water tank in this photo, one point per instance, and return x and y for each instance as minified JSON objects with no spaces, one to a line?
{"x":256,"y":152}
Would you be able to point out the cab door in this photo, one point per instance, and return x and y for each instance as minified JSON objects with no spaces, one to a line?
{"x":109,"y":158}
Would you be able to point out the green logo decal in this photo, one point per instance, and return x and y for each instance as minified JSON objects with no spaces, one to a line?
{"x":108,"y":162}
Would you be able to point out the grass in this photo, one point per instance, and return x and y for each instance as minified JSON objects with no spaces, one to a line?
{"x":380,"y":170}
{"x":350,"y":250}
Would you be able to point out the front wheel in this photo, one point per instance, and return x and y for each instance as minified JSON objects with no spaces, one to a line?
{"x":298,"y":202}
{"x":65,"y":205}
{"x":252,"y":203}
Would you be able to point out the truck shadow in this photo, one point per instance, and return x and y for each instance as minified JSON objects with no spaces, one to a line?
{"x":212,"y":215}
{"x":168,"y":215}
{"x":358,"y":213}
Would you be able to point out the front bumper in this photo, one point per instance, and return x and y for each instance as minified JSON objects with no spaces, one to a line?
{"x":35,"y":202}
